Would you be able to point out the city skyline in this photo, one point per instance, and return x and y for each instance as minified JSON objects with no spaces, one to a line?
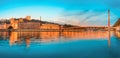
{"x":76,"y":12}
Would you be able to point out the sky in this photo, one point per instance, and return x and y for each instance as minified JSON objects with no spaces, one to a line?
{"x":76,"y":12}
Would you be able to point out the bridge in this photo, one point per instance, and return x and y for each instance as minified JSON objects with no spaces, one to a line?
{"x":87,"y":28}
{"x":62,"y":28}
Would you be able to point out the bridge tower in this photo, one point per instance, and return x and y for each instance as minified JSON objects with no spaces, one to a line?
{"x":108,"y":28}
{"x":109,"y":20}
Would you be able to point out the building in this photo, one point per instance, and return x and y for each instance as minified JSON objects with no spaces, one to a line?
{"x":4,"y":25}
{"x":49,"y":26}
{"x":14,"y":23}
{"x":117,"y":25}
{"x":28,"y":17}
{"x":28,"y":23}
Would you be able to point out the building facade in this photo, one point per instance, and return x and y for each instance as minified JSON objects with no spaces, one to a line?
{"x":28,"y":23}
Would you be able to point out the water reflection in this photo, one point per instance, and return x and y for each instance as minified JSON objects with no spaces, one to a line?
{"x":13,"y":38}
{"x":117,"y":34}
{"x":85,"y":43}
{"x":86,"y":35}
{"x":27,"y":38}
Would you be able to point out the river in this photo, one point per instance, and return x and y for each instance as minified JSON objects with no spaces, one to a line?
{"x":83,"y":44}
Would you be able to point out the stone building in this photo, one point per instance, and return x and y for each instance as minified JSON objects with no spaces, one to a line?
{"x":28,"y":23}
{"x":49,"y":26}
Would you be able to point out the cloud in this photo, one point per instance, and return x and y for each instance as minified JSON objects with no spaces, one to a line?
{"x":64,"y":11}
{"x":86,"y":18}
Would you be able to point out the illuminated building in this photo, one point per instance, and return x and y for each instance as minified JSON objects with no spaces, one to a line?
{"x":28,"y":23}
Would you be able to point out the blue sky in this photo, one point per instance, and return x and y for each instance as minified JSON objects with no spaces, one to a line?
{"x":77,"y":12}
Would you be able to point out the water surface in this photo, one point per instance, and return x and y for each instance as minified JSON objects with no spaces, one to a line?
{"x":84,"y":44}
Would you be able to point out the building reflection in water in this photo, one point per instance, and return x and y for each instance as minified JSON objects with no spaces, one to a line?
{"x":27,"y":40}
{"x":31,"y":37}
{"x":117,"y":34}
{"x":13,"y":38}
{"x":86,"y":35}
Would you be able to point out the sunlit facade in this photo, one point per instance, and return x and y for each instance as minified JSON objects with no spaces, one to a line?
{"x":28,"y":23}
{"x":4,"y":26}
{"x":49,"y":26}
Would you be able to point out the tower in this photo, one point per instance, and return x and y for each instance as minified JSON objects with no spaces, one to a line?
{"x":109,"y":19}
{"x":108,"y":28}
{"x":28,"y":17}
